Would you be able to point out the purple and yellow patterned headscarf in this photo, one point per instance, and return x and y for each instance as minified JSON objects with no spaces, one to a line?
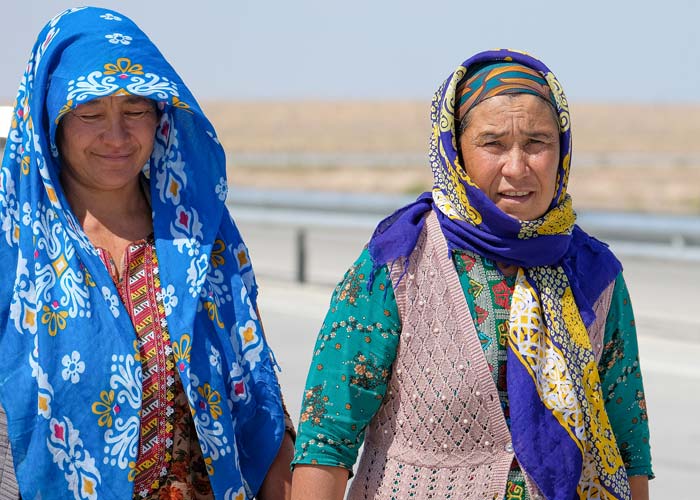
{"x":457,"y":196}
{"x":553,"y":385}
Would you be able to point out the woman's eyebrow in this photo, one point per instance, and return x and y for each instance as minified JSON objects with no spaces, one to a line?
{"x":90,"y":104}
{"x":490,"y":134}
{"x":541,"y":134}
{"x":138,"y":100}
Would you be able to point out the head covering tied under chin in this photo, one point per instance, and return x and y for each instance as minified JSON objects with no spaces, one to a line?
{"x":469,"y":219}
{"x":554,"y":291}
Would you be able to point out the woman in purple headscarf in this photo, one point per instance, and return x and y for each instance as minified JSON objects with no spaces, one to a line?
{"x":482,"y":345}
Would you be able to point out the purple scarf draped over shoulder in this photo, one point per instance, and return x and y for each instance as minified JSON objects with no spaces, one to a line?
{"x":578,"y":253}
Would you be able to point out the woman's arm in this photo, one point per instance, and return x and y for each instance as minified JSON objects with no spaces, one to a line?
{"x":278,"y":481}
{"x":640,"y":487}
{"x":319,"y":482}
{"x":623,"y":391}
{"x":350,"y":368}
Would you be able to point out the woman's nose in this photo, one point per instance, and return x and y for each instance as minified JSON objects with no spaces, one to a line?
{"x":515,"y":163}
{"x":115,"y":131}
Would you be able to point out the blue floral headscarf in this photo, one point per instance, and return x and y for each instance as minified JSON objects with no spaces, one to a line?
{"x":71,"y":380}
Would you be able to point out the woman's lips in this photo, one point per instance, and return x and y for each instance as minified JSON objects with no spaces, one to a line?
{"x":515,"y":194}
{"x":113,"y":156}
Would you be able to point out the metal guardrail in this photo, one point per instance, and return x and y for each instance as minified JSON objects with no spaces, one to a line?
{"x":665,"y":237}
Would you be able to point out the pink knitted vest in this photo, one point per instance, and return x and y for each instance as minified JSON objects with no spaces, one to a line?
{"x":440,"y":432}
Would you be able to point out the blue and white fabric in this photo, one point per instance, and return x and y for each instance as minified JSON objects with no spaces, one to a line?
{"x":65,"y":336}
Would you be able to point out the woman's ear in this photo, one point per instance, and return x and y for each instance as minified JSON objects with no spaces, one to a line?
{"x":59,"y":137}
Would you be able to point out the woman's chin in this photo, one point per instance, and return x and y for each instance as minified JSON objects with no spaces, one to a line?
{"x":522,"y":210}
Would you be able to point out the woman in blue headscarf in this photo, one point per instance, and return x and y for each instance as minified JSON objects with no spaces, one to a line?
{"x":134,"y":360}
{"x":482,"y":343}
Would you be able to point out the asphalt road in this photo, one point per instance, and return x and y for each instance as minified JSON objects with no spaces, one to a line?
{"x":665,"y":295}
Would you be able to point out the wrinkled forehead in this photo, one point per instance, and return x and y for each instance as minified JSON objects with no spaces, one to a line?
{"x":120,"y":100}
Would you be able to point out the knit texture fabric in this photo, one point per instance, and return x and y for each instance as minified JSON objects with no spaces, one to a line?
{"x":440,"y":432}
{"x":8,"y":482}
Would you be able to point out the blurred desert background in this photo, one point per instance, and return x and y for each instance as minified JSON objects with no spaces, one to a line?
{"x":627,"y":157}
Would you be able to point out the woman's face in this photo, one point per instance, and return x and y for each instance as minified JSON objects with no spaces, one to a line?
{"x":105,"y":143}
{"x":510,"y":149}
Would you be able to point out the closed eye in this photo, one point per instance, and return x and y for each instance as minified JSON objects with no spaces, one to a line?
{"x":137,"y":114}
{"x":88,"y":117}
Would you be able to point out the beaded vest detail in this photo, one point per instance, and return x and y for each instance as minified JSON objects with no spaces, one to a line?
{"x":440,"y":432}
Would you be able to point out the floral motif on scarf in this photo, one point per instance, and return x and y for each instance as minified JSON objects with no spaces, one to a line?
{"x":76,"y":425}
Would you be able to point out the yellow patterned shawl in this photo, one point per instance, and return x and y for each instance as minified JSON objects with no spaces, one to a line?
{"x":561,"y":432}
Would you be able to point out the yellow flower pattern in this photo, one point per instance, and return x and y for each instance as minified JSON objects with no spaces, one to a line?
{"x":54,"y":318}
{"x":217,"y":251}
{"x":123,"y":66}
{"x":181,"y":351}
{"x":104,"y":408}
{"x":213,"y":400}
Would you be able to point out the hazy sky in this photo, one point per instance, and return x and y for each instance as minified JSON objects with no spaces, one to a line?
{"x":376,"y":49}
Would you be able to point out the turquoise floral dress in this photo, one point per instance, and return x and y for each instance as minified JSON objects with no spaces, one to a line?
{"x":357,"y":345}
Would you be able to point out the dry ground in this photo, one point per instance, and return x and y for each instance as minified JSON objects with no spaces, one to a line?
{"x":387,"y":127}
{"x":626,"y":157}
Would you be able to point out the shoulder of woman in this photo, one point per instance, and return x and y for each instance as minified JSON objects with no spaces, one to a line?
{"x":591,"y":264}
